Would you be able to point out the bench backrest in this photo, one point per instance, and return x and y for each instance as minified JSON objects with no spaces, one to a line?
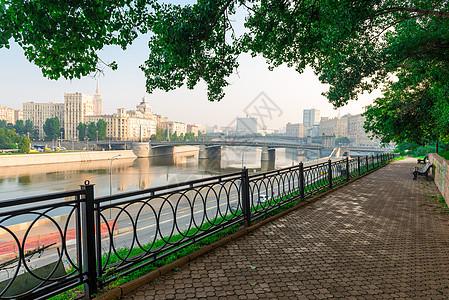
{"x":426,"y":167}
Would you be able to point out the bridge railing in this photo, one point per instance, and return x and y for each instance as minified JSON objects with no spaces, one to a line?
{"x":94,"y":241}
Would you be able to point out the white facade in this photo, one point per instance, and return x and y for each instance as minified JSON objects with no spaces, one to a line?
{"x":294,"y":130}
{"x":130,"y":125}
{"x":38,"y":113}
{"x":311,"y":117}
{"x":336,"y":126}
{"x":357,"y":134}
{"x":195,"y":129}
{"x":76,"y":107}
{"x":246,"y":125}
{"x":7,"y":114}
{"x":178,"y":127}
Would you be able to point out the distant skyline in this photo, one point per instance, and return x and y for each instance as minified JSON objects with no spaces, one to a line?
{"x":21,"y":81}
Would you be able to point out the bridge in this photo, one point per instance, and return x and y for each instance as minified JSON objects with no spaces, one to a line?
{"x":296,"y":145}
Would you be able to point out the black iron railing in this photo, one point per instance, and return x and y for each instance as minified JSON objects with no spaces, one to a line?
{"x":94,"y":241}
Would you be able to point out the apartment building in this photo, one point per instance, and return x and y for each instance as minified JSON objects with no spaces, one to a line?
{"x":178,"y":127}
{"x":7,"y":114}
{"x":38,"y":113}
{"x":335,"y":126}
{"x":77,"y":107}
{"x":196,"y":129}
{"x":294,"y":130}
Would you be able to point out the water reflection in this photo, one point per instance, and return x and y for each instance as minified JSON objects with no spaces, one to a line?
{"x":141,"y":173}
{"x":209,"y":166}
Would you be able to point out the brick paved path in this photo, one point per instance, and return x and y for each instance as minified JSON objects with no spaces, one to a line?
{"x":380,"y":237}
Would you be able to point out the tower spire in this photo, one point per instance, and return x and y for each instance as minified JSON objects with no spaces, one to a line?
{"x":98,"y":89}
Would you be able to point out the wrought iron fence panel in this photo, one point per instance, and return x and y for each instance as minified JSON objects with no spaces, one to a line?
{"x":316,"y":178}
{"x":363,"y":165}
{"x":272,"y":191}
{"x":338,"y":172}
{"x":353,"y":168}
{"x":137,"y":231}
{"x":41,"y":245}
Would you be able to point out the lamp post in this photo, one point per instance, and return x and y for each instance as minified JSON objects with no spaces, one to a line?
{"x":110,"y":178}
{"x":110,"y":172}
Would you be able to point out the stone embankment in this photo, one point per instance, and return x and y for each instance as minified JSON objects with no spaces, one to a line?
{"x":56,"y":158}
{"x":441,"y":174}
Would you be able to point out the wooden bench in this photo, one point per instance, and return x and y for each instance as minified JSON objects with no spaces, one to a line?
{"x":423,"y":160}
{"x":422,"y":171}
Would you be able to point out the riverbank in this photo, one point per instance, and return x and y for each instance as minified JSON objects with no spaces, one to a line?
{"x":70,"y":157}
{"x":57,"y":158}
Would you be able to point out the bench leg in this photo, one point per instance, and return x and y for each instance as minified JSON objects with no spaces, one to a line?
{"x":415,"y":175}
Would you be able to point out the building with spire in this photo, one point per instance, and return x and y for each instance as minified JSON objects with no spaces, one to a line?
{"x":98,"y":102}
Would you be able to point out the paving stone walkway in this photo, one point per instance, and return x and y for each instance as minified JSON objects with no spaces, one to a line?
{"x":382,"y":236}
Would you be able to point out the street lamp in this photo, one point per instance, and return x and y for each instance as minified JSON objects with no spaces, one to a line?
{"x":110,"y":172}
{"x":110,"y":179}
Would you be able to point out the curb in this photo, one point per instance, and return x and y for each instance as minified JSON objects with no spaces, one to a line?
{"x":128,"y":287}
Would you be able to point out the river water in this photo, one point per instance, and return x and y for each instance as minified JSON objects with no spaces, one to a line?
{"x":134,"y":174}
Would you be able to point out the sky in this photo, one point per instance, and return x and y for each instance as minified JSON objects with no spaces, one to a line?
{"x":291,"y":92}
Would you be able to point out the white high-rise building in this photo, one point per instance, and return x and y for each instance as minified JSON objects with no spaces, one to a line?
{"x":38,"y":113}
{"x":98,"y":102}
{"x":246,"y":125}
{"x":311,"y":117}
{"x":76,"y":107}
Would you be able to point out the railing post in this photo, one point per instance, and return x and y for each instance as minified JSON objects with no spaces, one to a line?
{"x":372,"y":157}
{"x":329,"y":172}
{"x":347,"y":168}
{"x":88,"y":232}
{"x":301,"y":181}
{"x":377,"y":159}
{"x":246,"y":207}
{"x":367,"y":163}
{"x":358,"y":164}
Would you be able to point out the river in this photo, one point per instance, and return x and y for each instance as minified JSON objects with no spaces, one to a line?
{"x":134,"y":174}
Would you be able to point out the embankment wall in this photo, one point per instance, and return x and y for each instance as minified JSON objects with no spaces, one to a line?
{"x":57,"y":158}
{"x":441,"y":174}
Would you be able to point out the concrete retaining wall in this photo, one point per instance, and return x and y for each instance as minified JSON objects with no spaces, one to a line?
{"x":56,"y":158}
{"x":441,"y":174}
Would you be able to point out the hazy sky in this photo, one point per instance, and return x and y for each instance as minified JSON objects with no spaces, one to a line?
{"x":21,"y":81}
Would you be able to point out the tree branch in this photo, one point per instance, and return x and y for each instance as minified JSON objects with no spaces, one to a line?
{"x":417,"y":10}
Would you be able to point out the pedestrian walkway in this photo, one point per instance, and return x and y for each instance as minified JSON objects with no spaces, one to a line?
{"x":382,"y":236}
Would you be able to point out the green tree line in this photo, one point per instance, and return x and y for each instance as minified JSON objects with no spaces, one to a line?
{"x":9,"y":139}
{"x":161,"y":135}
{"x":92,"y":131}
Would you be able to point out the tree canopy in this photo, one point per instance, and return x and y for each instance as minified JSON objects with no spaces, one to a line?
{"x":9,"y":139}
{"x":354,"y":46}
{"x":52,"y":128}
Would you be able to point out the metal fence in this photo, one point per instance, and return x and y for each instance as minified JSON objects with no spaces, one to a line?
{"x":96,"y":240}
